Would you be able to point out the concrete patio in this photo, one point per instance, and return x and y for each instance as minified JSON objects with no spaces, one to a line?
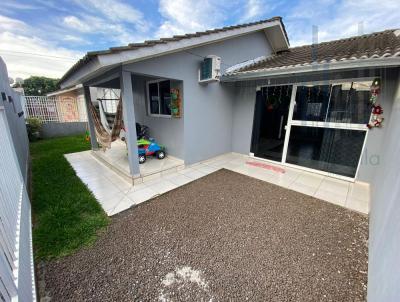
{"x":115,"y":193}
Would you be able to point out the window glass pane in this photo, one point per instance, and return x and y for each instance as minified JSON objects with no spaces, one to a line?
{"x":165,"y":98}
{"x":331,"y":150}
{"x":153,"y":98}
{"x":346,"y":102}
{"x":311,"y":102}
{"x":350,"y":103}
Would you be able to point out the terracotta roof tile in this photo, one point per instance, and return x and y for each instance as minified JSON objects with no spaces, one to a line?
{"x":376,"y":45}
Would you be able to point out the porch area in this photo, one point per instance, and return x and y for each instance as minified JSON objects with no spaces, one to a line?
{"x":116,"y":158}
{"x":141,"y":108}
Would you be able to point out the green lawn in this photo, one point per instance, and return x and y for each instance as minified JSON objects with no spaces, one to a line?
{"x":66,"y":214}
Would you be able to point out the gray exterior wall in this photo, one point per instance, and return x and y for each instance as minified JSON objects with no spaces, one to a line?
{"x":206,"y":126}
{"x":166,"y":131}
{"x":243,"y":111}
{"x":384,"y":243}
{"x":62,"y":129}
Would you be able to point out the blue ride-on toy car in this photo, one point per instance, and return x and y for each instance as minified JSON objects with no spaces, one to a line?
{"x":148,"y":147}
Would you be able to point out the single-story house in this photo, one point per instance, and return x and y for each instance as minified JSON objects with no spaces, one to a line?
{"x":244,"y":89}
{"x":330,"y":108}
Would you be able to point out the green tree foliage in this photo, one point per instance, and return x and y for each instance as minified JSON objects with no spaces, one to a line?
{"x":39,"y":85}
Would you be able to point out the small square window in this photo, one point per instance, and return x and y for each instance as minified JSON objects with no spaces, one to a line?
{"x":159,"y":98}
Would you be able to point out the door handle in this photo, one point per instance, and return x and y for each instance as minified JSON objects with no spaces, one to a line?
{"x":280,"y":128}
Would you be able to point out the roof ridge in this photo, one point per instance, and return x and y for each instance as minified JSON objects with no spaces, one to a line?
{"x":188,"y":35}
{"x":148,"y":43}
{"x":382,"y":45}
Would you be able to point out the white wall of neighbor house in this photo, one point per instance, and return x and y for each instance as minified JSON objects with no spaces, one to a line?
{"x":384,"y":226}
{"x":244,"y":101}
{"x":207,"y":114}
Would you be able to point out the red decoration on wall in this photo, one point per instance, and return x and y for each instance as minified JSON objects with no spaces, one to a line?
{"x":377,"y":110}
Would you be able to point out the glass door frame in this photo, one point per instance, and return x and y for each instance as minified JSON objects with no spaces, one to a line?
{"x":326,"y":125}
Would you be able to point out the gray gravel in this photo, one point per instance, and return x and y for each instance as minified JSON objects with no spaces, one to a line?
{"x":223,"y":237}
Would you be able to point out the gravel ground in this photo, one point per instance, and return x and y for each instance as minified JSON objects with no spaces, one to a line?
{"x":223,"y":237}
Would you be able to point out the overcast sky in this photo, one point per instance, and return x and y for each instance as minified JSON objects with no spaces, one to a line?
{"x":45,"y":37}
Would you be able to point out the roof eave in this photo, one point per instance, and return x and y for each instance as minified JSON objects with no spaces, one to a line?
{"x":67,"y":89}
{"x":127,"y":56}
{"x":315,"y":67}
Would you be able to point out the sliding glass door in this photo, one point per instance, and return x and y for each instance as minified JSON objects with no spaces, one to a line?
{"x":270,"y":119}
{"x":331,"y":150}
{"x":326,"y":126}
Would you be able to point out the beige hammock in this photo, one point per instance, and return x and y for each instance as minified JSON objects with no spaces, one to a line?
{"x":102,"y":135}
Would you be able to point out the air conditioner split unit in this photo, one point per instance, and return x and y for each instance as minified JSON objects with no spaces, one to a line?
{"x":210,"y":69}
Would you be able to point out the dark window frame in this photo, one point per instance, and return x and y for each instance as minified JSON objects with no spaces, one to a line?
{"x":162,"y":101}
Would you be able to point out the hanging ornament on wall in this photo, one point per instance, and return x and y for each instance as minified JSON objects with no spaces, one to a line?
{"x":376,"y":119}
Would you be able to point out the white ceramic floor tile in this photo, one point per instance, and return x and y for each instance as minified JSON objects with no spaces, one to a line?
{"x":109,"y":203}
{"x":122,"y":184}
{"x":283,"y":180}
{"x":97,"y":183}
{"x":261,"y":174}
{"x":123,"y":205}
{"x":309,"y":179}
{"x":115,"y":194}
{"x":291,"y":173}
{"x":136,"y":187}
{"x":331,"y":197}
{"x":162,"y":186}
{"x":186,"y":170}
{"x":194,"y":174}
{"x":335,"y":186}
{"x":91,"y":178}
{"x":205,"y":169}
{"x":243,"y":169}
{"x":302,"y":188}
{"x":105,"y":192}
{"x":232,"y":165}
{"x":142,"y":195}
{"x":217,"y":164}
{"x":180,"y":179}
{"x":357,"y":205}
{"x":359,"y":191}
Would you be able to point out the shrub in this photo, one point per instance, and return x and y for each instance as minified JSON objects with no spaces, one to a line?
{"x":33,"y":126}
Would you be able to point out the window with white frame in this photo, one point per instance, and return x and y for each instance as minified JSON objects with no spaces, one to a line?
{"x":159,"y":98}
{"x":328,"y":126}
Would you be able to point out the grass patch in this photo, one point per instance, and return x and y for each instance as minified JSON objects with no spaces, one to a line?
{"x":66,"y":214}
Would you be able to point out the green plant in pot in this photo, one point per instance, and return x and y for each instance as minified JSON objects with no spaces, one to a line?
{"x":33,"y":126}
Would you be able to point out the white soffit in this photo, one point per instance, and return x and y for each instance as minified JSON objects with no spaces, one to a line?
{"x":141,"y":53}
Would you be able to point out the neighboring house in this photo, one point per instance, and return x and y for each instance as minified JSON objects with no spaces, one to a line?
{"x":63,"y":112}
{"x":71,"y":101}
{"x":305,"y":106}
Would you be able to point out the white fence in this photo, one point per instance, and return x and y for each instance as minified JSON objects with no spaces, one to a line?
{"x":16,"y":257}
{"x":56,"y":109}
